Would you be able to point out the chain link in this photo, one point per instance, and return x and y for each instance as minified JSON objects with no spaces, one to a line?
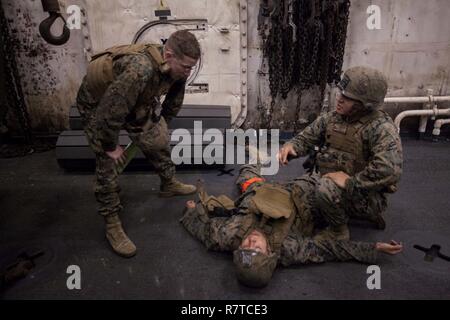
{"x":275,"y":48}
{"x":331,"y":11}
{"x":308,"y":50}
{"x":340,"y":34}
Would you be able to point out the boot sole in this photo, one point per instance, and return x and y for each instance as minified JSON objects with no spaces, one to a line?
{"x":123,"y":255}
{"x":169,"y":194}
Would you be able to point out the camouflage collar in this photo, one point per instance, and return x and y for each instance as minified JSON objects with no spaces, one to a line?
{"x":164,"y":68}
{"x":357,"y":115}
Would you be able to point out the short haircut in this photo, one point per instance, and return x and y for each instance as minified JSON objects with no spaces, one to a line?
{"x":184,"y":43}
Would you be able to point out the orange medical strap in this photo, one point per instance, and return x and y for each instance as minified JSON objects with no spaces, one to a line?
{"x":249,"y":182}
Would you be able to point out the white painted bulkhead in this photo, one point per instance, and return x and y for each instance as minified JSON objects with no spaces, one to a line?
{"x":412,"y":48}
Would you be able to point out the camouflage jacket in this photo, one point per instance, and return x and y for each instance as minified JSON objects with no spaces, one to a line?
{"x":223,"y":234}
{"x":132,"y":97}
{"x":381,"y":145}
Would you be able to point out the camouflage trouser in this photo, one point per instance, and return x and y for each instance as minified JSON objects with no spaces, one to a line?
{"x":154,"y":143}
{"x":336,"y":206}
{"x":328,"y":200}
{"x":248,"y":172}
{"x":302,"y":188}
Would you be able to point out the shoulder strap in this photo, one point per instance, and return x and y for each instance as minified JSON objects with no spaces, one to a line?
{"x":280,"y":230}
{"x":155,"y":52}
{"x":249,"y":221}
{"x":100,"y":69}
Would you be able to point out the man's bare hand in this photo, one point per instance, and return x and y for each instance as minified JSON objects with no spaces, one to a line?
{"x":286,"y":151}
{"x":340,"y":178}
{"x":117,"y":155}
{"x":390,"y":248}
{"x":190,"y":204}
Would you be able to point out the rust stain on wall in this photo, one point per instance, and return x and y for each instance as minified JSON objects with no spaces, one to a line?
{"x":33,"y":55}
{"x":49,"y":74}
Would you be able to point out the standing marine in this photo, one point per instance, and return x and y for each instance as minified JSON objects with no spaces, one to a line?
{"x":122,"y":91}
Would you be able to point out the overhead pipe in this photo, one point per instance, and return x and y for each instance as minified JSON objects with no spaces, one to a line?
{"x":424,"y":119}
{"x":409,"y":113}
{"x":427,"y":111}
{"x":416,"y":99}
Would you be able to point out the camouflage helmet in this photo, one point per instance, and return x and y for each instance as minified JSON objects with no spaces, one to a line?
{"x":364,"y":84}
{"x":254,"y":269}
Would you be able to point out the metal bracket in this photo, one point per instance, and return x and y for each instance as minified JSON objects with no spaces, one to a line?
{"x":243,"y":13}
{"x":224,"y":171}
{"x":432,"y":252}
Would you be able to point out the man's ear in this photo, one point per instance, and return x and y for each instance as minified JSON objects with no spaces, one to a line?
{"x":168,"y":54}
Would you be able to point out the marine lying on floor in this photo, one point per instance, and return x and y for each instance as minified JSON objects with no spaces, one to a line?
{"x":271,"y":224}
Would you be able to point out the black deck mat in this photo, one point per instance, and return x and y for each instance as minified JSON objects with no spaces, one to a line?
{"x":43,"y":207}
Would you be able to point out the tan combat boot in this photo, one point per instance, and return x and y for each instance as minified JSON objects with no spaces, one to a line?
{"x":117,"y":238}
{"x":334,"y":233}
{"x":174,"y":187}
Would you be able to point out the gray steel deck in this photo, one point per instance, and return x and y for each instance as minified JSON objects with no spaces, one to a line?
{"x":44,"y":207}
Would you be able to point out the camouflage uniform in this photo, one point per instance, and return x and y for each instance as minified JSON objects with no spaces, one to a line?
{"x":364,"y":195}
{"x":225,"y":233}
{"x":130,"y":102}
{"x":364,"y":144}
